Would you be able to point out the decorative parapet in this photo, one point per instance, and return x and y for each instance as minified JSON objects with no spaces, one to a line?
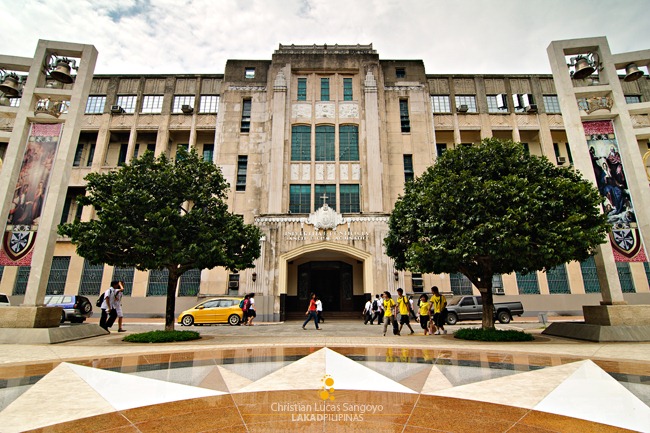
{"x":280,"y":84}
{"x":398,"y":88}
{"x":325,"y":49}
{"x":248,"y":88}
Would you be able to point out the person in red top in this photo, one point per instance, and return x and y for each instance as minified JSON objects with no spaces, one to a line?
{"x":312,"y":312}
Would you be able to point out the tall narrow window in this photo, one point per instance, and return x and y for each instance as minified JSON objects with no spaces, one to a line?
{"x":349,"y":196}
{"x":121,"y":159}
{"x":440,"y":149}
{"x":301,"y":143}
{"x":208,"y":152}
{"x":324,"y":89}
{"x":302,"y":89}
{"x":347,"y":89}
{"x":246,"y":115}
{"x":91,"y":155}
{"x":408,"y":168}
{"x":404,"y":115}
{"x":590,"y":276}
{"x":242,"y":168}
{"x":299,"y":198}
{"x":557,"y":280}
{"x":78,"y":154}
{"x":528,"y":284}
{"x":58,"y":275}
{"x":324,"y":143}
{"x":349,"y":143}
{"x":325,"y":194}
{"x":625,"y":277}
{"x":91,"y":279}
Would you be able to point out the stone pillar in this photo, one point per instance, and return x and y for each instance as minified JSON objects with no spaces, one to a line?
{"x":278,"y":127}
{"x":373,"y":188}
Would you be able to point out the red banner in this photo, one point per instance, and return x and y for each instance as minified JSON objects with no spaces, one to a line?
{"x":29,"y":195}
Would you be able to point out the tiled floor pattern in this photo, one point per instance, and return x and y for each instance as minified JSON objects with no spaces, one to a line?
{"x":307,"y":389}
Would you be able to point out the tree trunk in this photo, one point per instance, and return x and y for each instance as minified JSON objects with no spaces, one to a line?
{"x":171,"y":300}
{"x":488,"y":305}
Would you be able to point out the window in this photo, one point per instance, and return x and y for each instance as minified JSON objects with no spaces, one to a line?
{"x":324,"y":89}
{"x":95,"y":104}
{"x":249,"y":73}
{"x":404,"y":115}
{"x":632,"y":99}
{"x":14,"y":102}
{"x":184,"y":146}
{"x":209,"y":104}
{"x":347,"y":89}
{"x":208,"y":152}
{"x":91,"y":155}
{"x":417,"y":282}
{"x":242,"y":168}
{"x":301,"y":143}
{"x":625,"y":277}
{"x":526,"y":148}
{"x":20,"y":286}
{"x":348,"y":143}
{"x":528,"y":284}
{"x":324,"y":143}
{"x":179,"y":101}
{"x":590,"y":276}
{"x":152,"y":104}
{"x":246,"y":116}
{"x":91,"y":279}
{"x":440,"y":149}
{"x":299,"y":198}
{"x":157,"y":282}
{"x":121,"y":159}
{"x":469,"y":100}
{"x":408,"y":168}
{"x":127,"y":103}
{"x":497,"y":104}
{"x":190,"y":283}
{"x":325,"y":194}
{"x":77,"y":155}
{"x":349,"y":199}
{"x":557,"y":280}
{"x":460,"y":284}
{"x":302,"y":89}
{"x":400,"y":73}
{"x":58,"y":275}
{"x":126,"y":275}
{"x":551,"y":104}
{"x":440,"y":104}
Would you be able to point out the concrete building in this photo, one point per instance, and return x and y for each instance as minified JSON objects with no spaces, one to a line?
{"x":317,"y":144}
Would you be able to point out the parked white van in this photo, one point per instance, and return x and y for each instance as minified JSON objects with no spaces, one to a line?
{"x":4,"y":300}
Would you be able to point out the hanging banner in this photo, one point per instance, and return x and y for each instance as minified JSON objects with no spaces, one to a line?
{"x":612,"y":185}
{"x":29,"y":194}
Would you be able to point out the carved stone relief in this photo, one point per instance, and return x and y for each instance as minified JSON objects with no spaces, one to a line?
{"x":525,"y":120}
{"x":356,"y":171}
{"x":211,"y":86}
{"x":122,"y":121}
{"x":295,"y":171}
{"x":180,"y":120}
{"x":495,"y":86}
{"x":206,"y":121}
{"x":301,"y":111}
{"x":640,"y":121}
{"x":464,"y":86}
{"x":349,"y":110}
{"x":344,"y":171}
{"x":500,"y":121}
{"x":439,"y":86}
{"x":320,"y":171}
{"x":555,"y":121}
{"x":469,"y":121}
{"x":548,"y":87}
{"x":331,"y":172}
{"x":520,"y":85}
{"x":128,"y":85}
{"x":154,"y":85}
{"x":91,"y":121}
{"x":325,"y":110}
{"x":185,"y":86}
{"x":306,"y":172}
{"x":443,"y":121}
{"x":149,"y":120}
{"x":99,"y":86}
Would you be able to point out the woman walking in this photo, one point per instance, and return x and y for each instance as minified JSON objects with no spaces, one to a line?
{"x":312,"y":312}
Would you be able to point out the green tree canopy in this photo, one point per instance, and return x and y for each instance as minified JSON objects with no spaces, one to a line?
{"x":494,"y":209}
{"x":156,"y":213}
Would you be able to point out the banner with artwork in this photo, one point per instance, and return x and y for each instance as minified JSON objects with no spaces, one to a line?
{"x":612,"y":185}
{"x":29,"y":194}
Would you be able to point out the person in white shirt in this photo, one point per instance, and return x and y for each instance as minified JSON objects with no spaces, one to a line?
{"x":367,"y":313}
{"x":109,"y":312}
{"x":319,"y":310}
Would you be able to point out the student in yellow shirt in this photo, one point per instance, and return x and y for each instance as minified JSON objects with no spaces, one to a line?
{"x":439,"y":303}
{"x":424,"y":313}
{"x":404,"y":310}
{"x":389,"y":310}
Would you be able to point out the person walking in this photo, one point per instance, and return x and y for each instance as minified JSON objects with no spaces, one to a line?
{"x":367,"y":312}
{"x":118,"y":306}
{"x":404,"y":311}
{"x":389,"y":311}
{"x":319,"y":310}
{"x":312,"y":312}
{"x":423,"y":312}
{"x":244,"y":309}
{"x":251,"y":309}
{"x":439,"y":304}
{"x":109,"y":314}
{"x":377,"y":310}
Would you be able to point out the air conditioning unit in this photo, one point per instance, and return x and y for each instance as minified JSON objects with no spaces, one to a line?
{"x":532,"y":108}
{"x":498,"y":291}
{"x":561,"y":160}
{"x":117,"y":109}
{"x":516,"y":101}
{"x":462,"y":108}
{"x":233,"y":284}
{"x":187,"y":109}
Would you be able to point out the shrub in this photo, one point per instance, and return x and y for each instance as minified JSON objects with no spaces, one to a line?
{"x":162,"y":337}
{"x":480,"y":334}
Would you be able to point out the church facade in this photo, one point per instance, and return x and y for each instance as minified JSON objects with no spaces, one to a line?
{"x":317,"y":144}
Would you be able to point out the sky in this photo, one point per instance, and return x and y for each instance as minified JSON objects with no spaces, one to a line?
{"x":199,"y":36}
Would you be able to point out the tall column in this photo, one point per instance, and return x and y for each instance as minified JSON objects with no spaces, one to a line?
{"x":278,"y":128}
{"x":373,"y":188}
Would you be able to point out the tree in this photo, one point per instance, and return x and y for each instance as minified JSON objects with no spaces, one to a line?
{"x":156,"y":213}
{"x":494,"y":209}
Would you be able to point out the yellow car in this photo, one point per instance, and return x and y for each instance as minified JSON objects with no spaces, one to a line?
{"x":215,"y":310}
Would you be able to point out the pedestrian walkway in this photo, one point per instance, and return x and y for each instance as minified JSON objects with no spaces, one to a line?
{"x":347,"y":377}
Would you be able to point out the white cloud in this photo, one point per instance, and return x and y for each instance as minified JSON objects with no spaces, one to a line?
{"x":198,"y":36}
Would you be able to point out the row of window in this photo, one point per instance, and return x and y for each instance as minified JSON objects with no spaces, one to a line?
{"x":301,"y":199}
{"x":208,"y":152}
{"x":153,"y":104}
{"x":325,"y":144}
{"x":324,"y":89}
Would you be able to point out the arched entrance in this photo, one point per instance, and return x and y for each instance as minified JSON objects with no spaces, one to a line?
{"x":339,"y":274}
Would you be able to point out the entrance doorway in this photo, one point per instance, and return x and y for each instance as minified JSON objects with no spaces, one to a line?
{"x":332,"y":283}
